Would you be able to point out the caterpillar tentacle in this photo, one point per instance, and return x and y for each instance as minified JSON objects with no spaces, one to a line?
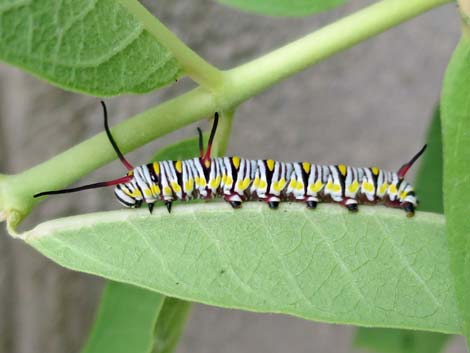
{"x":237,"y":180}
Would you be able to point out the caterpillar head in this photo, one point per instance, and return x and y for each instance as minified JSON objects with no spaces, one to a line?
{"x":128,"y":195}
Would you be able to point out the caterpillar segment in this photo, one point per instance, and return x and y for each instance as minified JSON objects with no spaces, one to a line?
{"x":237,"y":180}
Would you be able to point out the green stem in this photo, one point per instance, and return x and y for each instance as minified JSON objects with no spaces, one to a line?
{"x":239,"y":84}
{"x":196,"y":67}
{"x":250,"y":79}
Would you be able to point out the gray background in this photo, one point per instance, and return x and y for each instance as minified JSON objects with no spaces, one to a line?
{"x":368,"y":105}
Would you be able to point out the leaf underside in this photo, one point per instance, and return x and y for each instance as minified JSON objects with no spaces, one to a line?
{"x":283,"y":7}
{"x":374,"y":268}
{"x":91,"y":46}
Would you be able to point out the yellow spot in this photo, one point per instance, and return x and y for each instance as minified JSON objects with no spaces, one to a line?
{"x":175,"y":186}
{"x":270,"y":164}
{"x":236,"y":162}
{"x":342,"y":169}
{"x":155,"y":190}
{"x":179,"y":166}
{"x":293,"y":184}
{"x":156,"y":168}
{"x":333,"y":187}
{"x":148,"y":192}
{"x":167,"y":190}
{"x":375,"y":170}
{"x":393,"y":189}
{"x":383,"y":188}
{"x":214,"y":183}
{"x":368,"y":187}
{"x":256,"y":182}
{"x":316,"y":187}
{"x":200,"y":181}
{"x":262,"y":184}
{"x":207,"y":163}
{"x":189,"y":185}
{"x":246,"y":182}
{"x":403,"y":195}
{"x":130,"y":173}
{"x":299,"y":186}
{"x":228,"y":180}
{"x":353,"y":187}
{"x":131,"y":194}
{"x":279,"y":185}
{"x":306,"y":167}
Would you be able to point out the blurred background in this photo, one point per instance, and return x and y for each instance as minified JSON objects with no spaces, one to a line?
{"x":369,"y":105}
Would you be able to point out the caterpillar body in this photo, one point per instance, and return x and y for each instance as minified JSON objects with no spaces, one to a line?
{"x":237,"y":180}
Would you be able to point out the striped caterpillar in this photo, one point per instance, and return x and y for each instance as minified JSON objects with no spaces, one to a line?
{"x":237,"y":180}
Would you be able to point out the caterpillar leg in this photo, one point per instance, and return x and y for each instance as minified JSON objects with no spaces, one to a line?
{"x":350,"y":204}
{"x":234,"y":200}
{"x":272,"y":201}
{"x":150,"y":206}
{"x":312,"y":203}
{"x":409,"y":209}
{"x":168,"y":205}
{"x":273,"y":204}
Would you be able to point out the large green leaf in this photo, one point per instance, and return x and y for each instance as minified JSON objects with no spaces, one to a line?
{"x":283,"y":7}
{"x":125,"y":320}
{"x":429,"y":191}
{"x":92,"y":46}
{"x":375,"y":268}
{"x":456,"y":138}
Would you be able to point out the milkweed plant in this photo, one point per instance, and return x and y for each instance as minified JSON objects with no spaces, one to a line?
{"x":410,"y":279}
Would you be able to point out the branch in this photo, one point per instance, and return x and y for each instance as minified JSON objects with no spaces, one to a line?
{"x":254,"y":77}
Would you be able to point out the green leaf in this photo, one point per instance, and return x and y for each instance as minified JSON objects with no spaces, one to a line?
{"x":283,"y":7}
{"x":429,"y":190}
{"x":456,"y":138}
{"x":170,"y":325}
{"x":91,"y":46}
{"x":375,"y":268}
{"x":125,"y":320}
{"x":133,"y":319}
{"x":399,"y":341}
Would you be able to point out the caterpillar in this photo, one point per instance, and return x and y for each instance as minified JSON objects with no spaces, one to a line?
{"x":237,"y":180}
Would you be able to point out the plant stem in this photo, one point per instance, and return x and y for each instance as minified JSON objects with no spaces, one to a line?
{"x":248,"y":80}
{"x":196,"y":67}
{"x":239,"y":84}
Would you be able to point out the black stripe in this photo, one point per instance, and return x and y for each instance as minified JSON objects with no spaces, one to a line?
{"x":152,"y":173}
{"x":342,"y":179}
{"x":269,"y":174}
